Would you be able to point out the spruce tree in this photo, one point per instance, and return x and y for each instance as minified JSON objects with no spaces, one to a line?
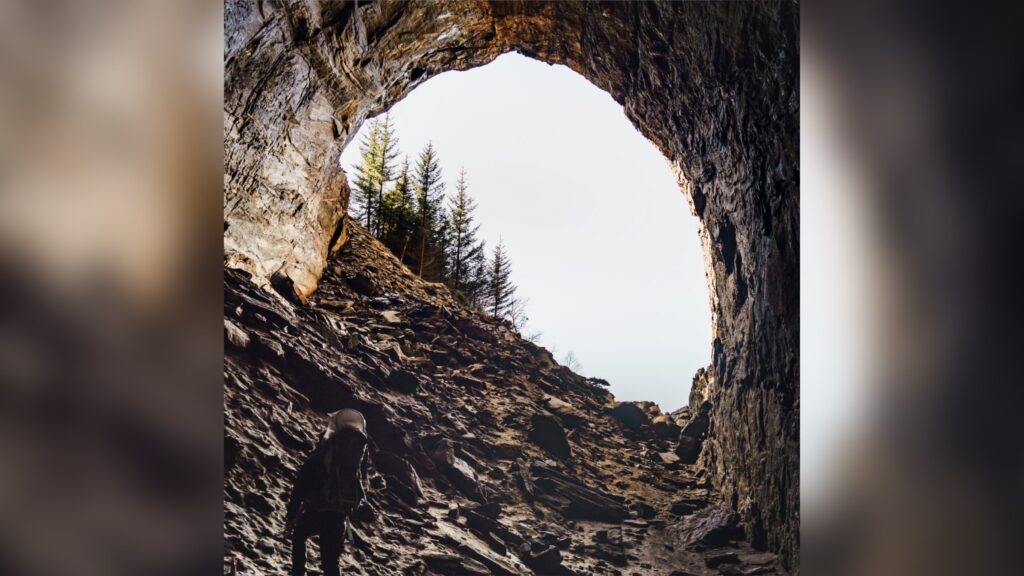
{"x":398,"y":213}
{"x":501,"y":292}
{"x":464,"y":249}
{"x":476,"y":278}
{"x":430,"y":225}
{"x":364,"y":192}
{"x":376,"y":169}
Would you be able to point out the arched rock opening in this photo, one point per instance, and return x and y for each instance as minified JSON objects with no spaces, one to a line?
{"x":713,"y":86}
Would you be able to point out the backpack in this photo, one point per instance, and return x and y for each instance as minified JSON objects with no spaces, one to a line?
{"x":340,"y":463}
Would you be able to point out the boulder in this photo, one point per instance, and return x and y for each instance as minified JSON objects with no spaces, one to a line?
{"x":668,"y":458}
{"x":691,"y":437}
{"x":631,"y":415}
{"x":403,"y":381}
{"x":461,"y":474}
{"x":546,"y":433}
{"x":235,"y":334}
{"x":558,"y":406}
{"x":651,"y":408}
{"x":681,"y":416}
{"x":391,"y":317}
{"x":713,"y":526}
{"x":665,"y":427}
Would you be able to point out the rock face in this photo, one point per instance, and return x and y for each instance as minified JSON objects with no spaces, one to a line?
{"x":691,"y":437}
{"x":457,"y":483}
{"x":713,"y":85}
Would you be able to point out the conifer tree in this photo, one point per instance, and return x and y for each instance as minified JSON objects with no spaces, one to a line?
{"x":430,"y":224}
{"x":376,"y":169}
{"x":364,"y":190}
{"x":477,"y":273}
{"x":463,"y":247}
{"x":398,"y":213}
{"x":501,"y":292}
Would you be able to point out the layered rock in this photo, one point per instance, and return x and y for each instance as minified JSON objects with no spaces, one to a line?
{"x":712,"y":85}
{"x":457,"y":479}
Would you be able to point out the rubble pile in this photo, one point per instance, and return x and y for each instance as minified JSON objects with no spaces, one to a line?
{"x":487,"y":456}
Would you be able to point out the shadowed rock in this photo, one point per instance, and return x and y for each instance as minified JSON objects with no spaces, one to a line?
{"x":632,"y":416}
{"x":691,"y":437}
{"x":572,"y":497}
{"x":547,"y":433}
{"x":712,"y":527}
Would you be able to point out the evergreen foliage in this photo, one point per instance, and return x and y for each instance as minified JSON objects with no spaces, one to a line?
{"x":501,"y":292}
{"x":398,"y":214}
{"x":431,"y":227}
{"x":405,"y":207}
{"x":464,"y":250}
{"x":379,"y":150}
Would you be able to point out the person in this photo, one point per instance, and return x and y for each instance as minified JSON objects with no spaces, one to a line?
{"x":330,"y":486}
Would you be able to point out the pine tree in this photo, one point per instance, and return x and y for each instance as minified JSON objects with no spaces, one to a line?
{"x":463,"y":247}
{"x":501,"y":292}
{"x":430,"y":224}
{"x":376,"y":169}
{"x":475,"y":281}
{"x":441,"y":239}
{"x":364,"y":191}
{"x":398,"y":214}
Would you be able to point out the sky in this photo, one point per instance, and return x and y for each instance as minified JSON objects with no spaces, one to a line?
{"x":602,"y":242}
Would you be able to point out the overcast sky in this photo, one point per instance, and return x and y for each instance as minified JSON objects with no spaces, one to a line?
{"x":601,"y":239}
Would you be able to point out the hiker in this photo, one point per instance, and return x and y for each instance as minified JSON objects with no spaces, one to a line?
{"x":330,"y":486}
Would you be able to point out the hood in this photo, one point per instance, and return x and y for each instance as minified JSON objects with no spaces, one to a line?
{"x":346,"y":419}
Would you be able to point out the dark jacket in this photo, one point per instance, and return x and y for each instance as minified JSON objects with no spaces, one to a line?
{"x":333,"y":478}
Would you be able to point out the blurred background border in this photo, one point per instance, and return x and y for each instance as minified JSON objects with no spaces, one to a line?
{"x":111,"y":339}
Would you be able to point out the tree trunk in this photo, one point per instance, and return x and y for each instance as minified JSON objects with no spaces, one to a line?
{"x":380,"y":203}
{"x":423,"y":251}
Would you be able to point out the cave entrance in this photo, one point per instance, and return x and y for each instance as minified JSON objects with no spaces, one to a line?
{"x":604,"y":248}
{"x":713,"y":85}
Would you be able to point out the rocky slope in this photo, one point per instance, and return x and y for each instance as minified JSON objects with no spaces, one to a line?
{"x":488,"y":457}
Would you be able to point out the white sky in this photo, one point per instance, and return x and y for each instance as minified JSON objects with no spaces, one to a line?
{"x":601,"y":239}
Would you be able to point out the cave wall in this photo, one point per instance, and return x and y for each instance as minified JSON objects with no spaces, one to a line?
{"x":713,"y":85}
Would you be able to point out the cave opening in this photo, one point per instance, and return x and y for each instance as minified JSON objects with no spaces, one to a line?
{"x":714,"y":86}
{"x":604,"y":249}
